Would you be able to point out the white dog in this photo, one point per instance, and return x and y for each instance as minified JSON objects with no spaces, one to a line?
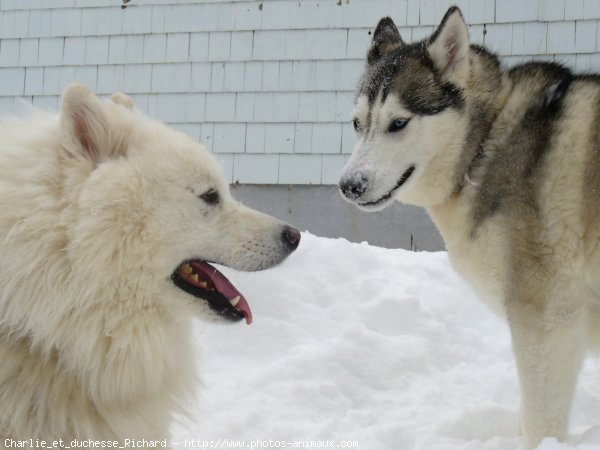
{"x":108,"y":222}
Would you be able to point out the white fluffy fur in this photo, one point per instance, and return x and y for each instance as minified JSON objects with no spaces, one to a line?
{"x":98,"y":206}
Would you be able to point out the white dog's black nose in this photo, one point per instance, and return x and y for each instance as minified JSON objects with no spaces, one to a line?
{"x":291,"y":237}
{"x":354,"y":186}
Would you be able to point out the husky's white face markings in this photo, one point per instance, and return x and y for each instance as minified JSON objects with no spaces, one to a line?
{"x":381,"y":157}
{"x":395,"y":149}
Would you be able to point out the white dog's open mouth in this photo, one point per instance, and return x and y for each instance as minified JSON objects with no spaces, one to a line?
{"x":203,"y":281}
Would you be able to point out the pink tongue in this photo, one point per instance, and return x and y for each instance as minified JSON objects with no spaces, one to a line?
{"x":224,"y":286}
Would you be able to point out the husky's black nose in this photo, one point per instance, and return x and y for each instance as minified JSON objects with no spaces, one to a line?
{"x":354,"y":186}
{"x":291,"y":237}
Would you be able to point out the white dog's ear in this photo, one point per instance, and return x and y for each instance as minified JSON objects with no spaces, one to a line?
{"x":85,"y":126}
{"x":123,"y":99}
{"x":386,"y":39}
{"x":449,"y":46}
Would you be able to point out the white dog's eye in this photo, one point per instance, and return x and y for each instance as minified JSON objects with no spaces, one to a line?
{"x":397,"y":125}
{"x":211,"y":197}
{"x":357,"y":125}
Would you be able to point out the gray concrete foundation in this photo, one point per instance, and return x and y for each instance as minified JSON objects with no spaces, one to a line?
{"x":321,"y":211}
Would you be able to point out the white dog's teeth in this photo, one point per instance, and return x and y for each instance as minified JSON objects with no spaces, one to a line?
{"x":186,"y":268}
{"x":203,"y":284}
{"x":194,"y":277}
{"x":234,"y":301}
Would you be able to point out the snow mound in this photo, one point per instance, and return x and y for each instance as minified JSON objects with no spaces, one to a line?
{"x":388,"y":348}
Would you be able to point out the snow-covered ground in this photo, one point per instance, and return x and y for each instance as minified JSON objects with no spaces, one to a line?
{"x":388,"y":348}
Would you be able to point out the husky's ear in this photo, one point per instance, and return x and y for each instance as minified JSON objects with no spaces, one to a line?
{"x":386,"y":39}
{"x":123,"y":99}
{"x":85,"y":127}
{"x":449,"y":47}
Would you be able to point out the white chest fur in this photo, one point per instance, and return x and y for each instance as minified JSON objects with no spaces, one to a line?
{"x":481,"y":259}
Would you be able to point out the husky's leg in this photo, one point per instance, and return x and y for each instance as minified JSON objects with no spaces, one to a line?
{"x":548,"y":338}
{"x":594,"y":328}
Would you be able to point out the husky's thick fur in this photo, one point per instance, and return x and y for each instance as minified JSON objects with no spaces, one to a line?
{"x":507,"y":162}
{"x":107,"y":219}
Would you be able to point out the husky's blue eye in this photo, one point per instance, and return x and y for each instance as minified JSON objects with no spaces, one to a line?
{"x":397,"y":125}
{"x":211,"y":197}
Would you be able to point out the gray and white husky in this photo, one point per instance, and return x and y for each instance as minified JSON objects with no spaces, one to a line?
{"x":507,"y":163}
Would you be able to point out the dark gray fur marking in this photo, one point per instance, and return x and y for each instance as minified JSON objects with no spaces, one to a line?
{"x":512,"y":171}
{"x":409,"y":72}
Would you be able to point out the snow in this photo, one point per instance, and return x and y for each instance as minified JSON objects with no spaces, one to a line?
{"x":388,"y":348}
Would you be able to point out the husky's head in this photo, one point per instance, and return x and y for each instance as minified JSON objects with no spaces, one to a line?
{"x":409,"y":117}
{"x":148,"y":211}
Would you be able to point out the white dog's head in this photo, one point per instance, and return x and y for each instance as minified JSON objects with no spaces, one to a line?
{"x":409,"y":117}
{"x":150,"y":208}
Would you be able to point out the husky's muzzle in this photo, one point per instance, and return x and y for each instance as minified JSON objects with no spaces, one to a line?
{"x":355,"y":187}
